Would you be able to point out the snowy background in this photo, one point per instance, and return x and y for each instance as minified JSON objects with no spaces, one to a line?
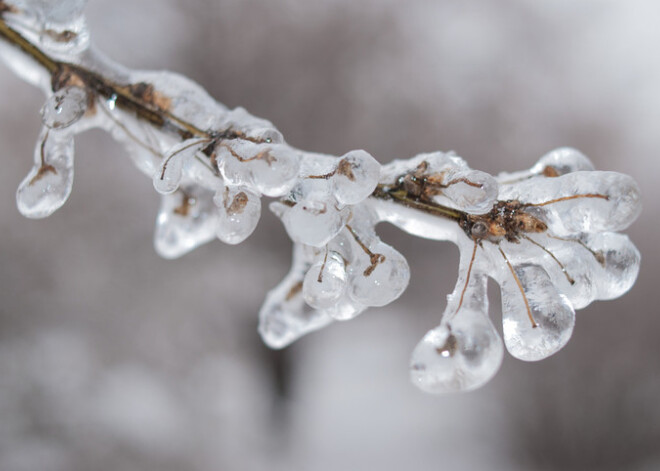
{"x":113,"y":359}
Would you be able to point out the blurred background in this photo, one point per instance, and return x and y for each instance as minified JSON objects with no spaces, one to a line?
{"x":114,"y":359}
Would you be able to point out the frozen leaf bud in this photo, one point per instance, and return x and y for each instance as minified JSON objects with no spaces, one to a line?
{"x":48,"y":185}
{"x":270,"y":168}
{"x":471,"y":190}
{"x":459,"y":355}
{"x":325,"y":281}
{"x":239,"y":210}
{"x":379,"y":276}
{"x":312,"y":220}
{"x":355,"y":177}
{"x":64,"y":107}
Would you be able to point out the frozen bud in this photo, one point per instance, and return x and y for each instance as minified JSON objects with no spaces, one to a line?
{"x":274,"y":169}
{"x":64,"y":107}
{"x":239,"y":210}
{"x":471,"y":190}
{"x":380,"y":276}
{"x":48,"y":185}
{"x":562,"y":161}
{"x":187,"y":219}
{"x":459,"y":355}
{"x":167,"y":178}
{"x":312,"y":221}
{"x":537,"y":319}
{"x":270,"y":168}
{"x":465,"y":351}
{"x":356,"y":177}
{"x":325,"y":281}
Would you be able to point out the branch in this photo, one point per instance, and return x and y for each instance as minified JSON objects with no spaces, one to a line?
{"x":546,"y":235}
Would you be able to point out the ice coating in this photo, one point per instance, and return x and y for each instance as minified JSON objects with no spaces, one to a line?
{"x":537,"y":319}
{"x":239,"y":210}
{"x":325,"y":281}
{"x":553,"y":164}
{"x":64,"y":107}
{"x":187,"y":219}
{"x":48,"y":185}
{"x":166,"y":180}
{"x":465,"y":351}
{"x":445,"y":179}
{"x":284,"y":316}
{"x":547,"y":234}
{"x":355,"y":177}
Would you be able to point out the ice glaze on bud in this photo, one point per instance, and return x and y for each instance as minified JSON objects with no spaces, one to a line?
{"x":48,"y":185}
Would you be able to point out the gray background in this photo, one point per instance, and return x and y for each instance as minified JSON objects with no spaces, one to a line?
{"x":113,"y":359}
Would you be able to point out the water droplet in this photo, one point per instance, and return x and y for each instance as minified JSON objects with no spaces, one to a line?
{"x":112,"y":102}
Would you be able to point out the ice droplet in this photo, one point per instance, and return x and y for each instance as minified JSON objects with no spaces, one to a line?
{"x":379,"y":279}
{"x":166,"y":180}
{"x":284,"y":316}
{"x":460,"y":355}
{"x":539,"y":322}
{"x":187,"y":219}
{"x":239,"y":210}
{"x":48,"y":185}
{"x":562,"y":161}
{"x":471,"y":190}
{"x":325,"y":281}
{"x":580,"y":201}
{"x":345,"y":309}
{"x":270,"y":168}
{"x":464,"y":351}
{"x":64,"y":107}
{"x":356,"y":177}
{"x":312,"y":221}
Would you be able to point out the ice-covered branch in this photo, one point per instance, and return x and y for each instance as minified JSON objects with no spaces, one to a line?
{"x":545,"y":235}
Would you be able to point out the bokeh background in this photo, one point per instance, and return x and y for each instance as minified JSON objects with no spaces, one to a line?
{"x":113,"y":359}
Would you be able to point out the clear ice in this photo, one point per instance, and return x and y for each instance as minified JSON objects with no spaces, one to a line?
{"x":547,"y":235}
